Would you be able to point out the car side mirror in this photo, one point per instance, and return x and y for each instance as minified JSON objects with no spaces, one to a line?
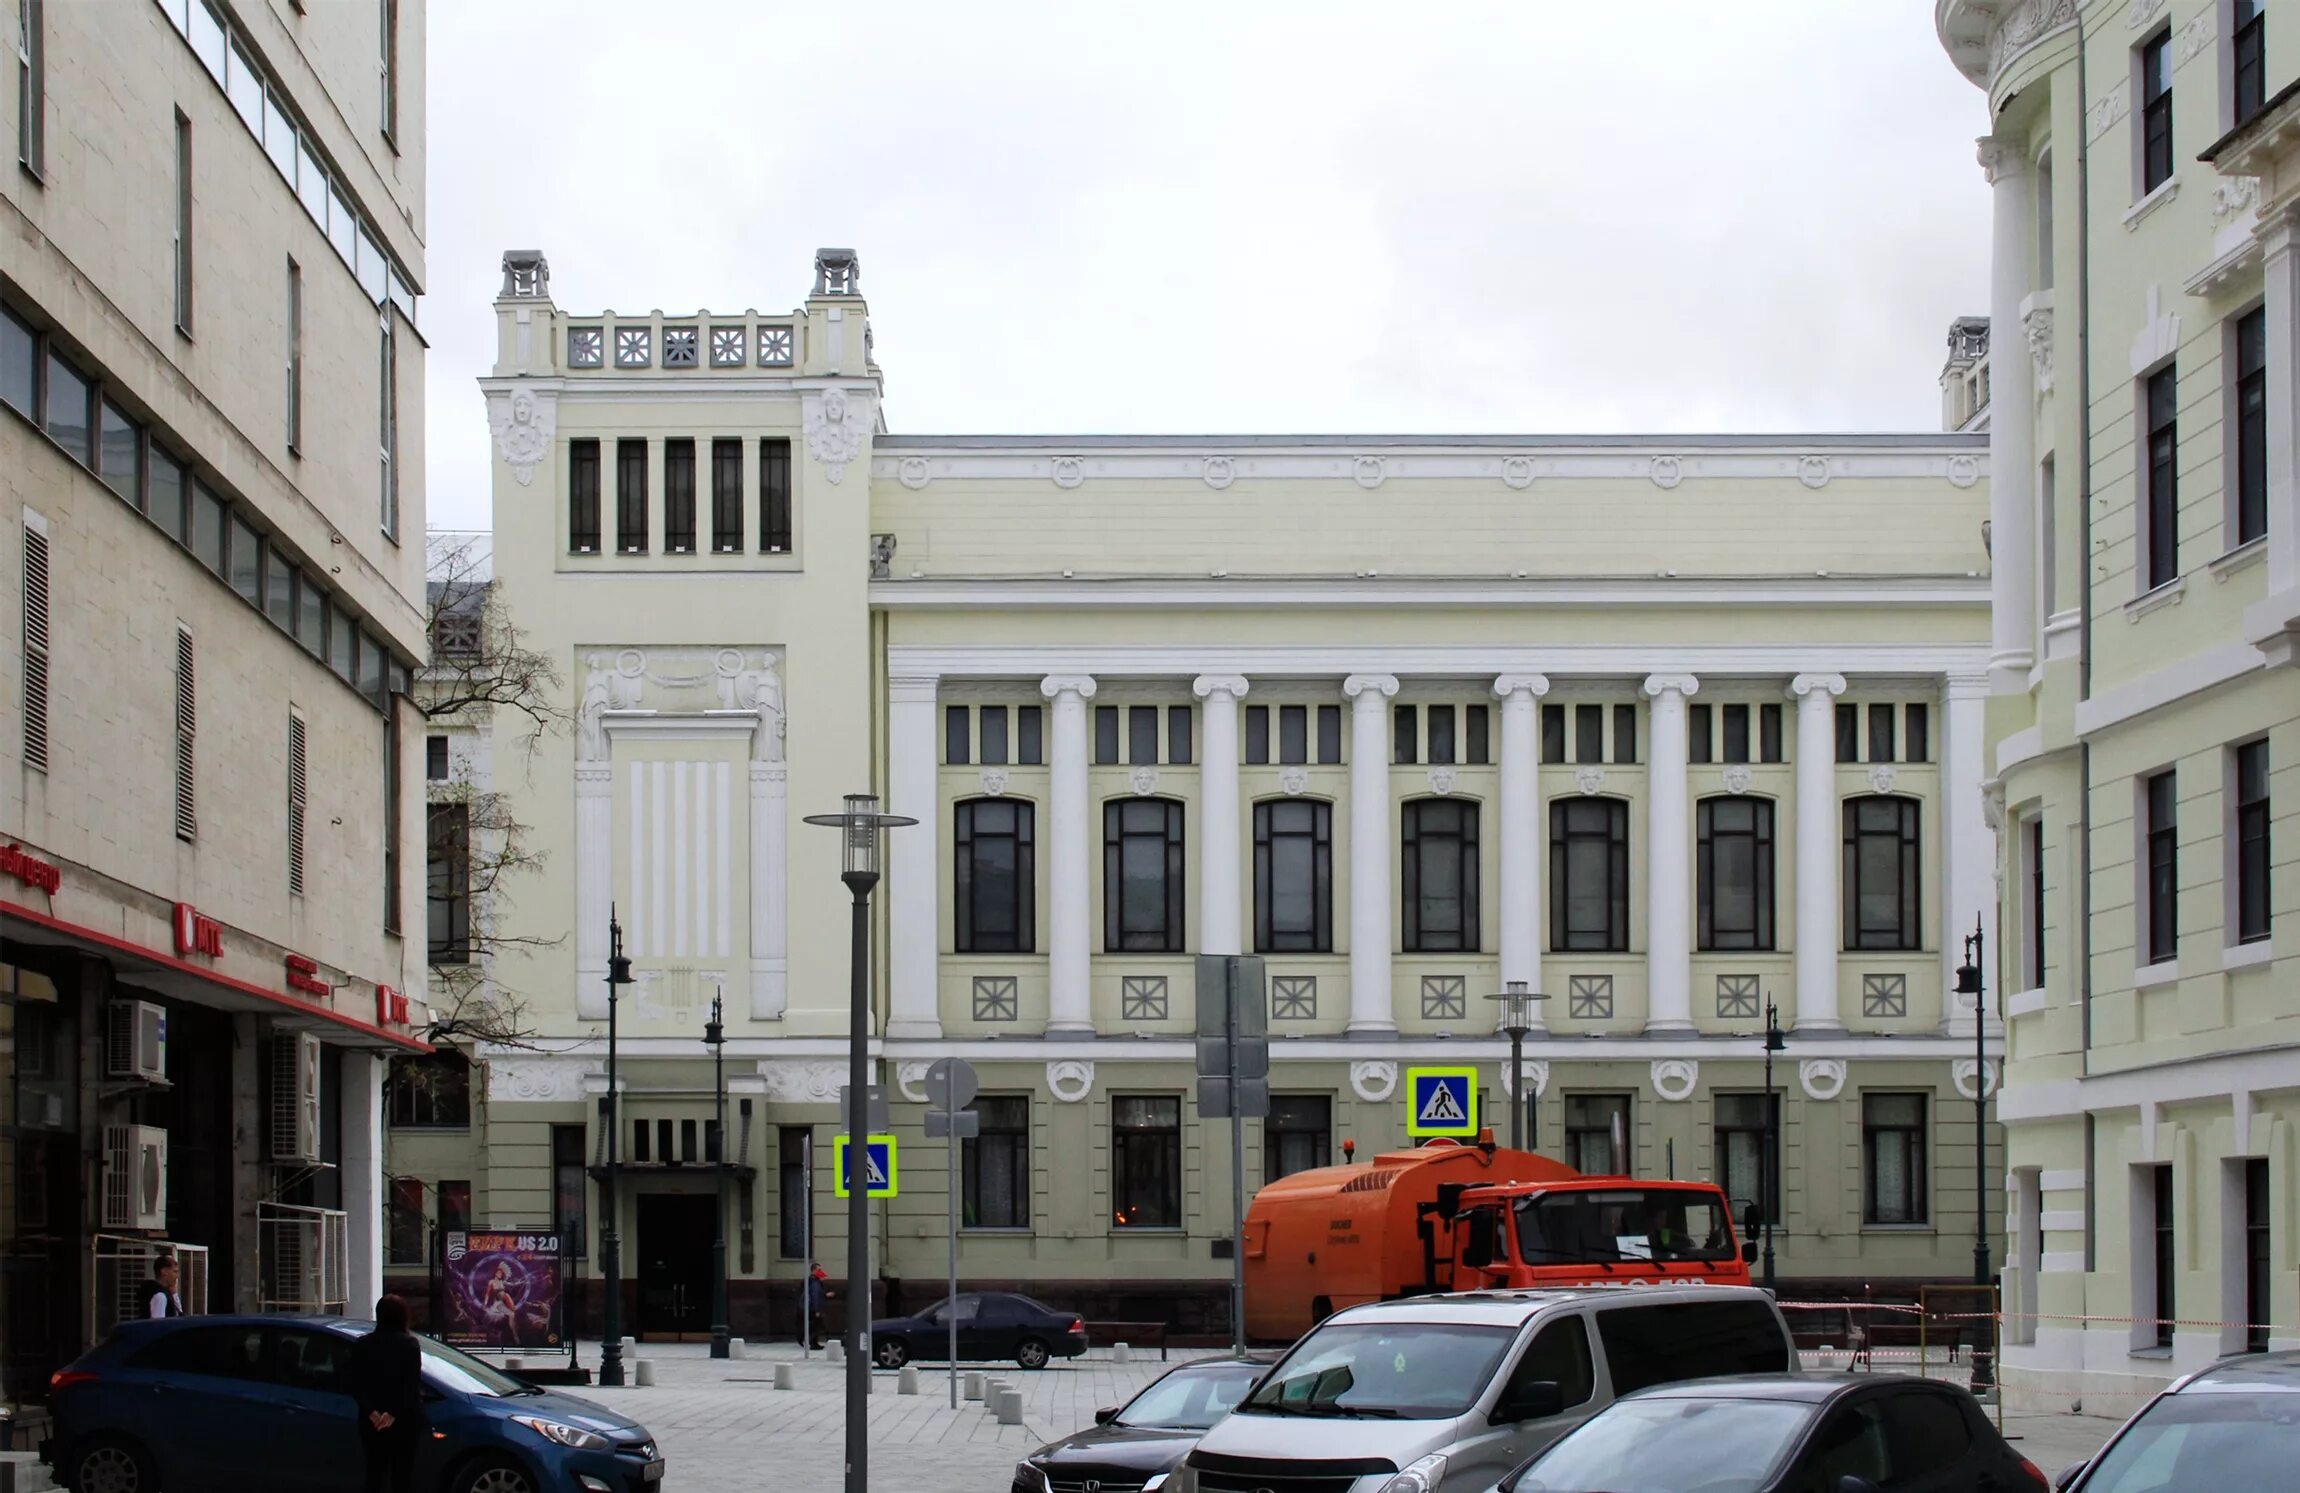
{"x":1538,"y":1400}
{"x":1854,"y":1483}
{"x":2068,"y":1475}
{"x":1105,"y":1415}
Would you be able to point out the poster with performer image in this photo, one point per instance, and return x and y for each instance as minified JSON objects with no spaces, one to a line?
{"x":503,"y":1290}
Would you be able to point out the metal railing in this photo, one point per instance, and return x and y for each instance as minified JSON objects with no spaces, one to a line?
{"x":120,"y":1267}
{"x":306,"y":1262}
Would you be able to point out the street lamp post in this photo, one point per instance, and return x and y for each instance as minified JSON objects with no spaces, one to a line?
{"x":610,"y":1237}
{"x":715,"y":1037}
{"x":1516,"y":999}
{"x":1970,"y":982}
{"x":858,"y":825}
{"x":1776,"y":1040}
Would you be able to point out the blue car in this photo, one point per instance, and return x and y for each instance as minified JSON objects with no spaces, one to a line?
{"x":260,"y":1405}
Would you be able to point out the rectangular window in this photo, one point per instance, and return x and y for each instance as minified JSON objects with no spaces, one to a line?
{"x":1698,"y":746}
{"x":393,"y":816}
{"x":32,"y":86}
{"x":2248,"y":48}
{"x":2044,"y":221}
{"x":1916,"y":733}
{"x":1589,"y":875}
{"x":642,"y":1141}
{"x":1257,"y":735}
{"x":1735,"y":719}
{"x":2251,"y":426}
{"x":208,"y":513}
{"x":1293,"y":877}
{"x":294,"y":357}
{"x":435,"y":759}
{"x":1625,"y":734}
{"x":1893,"y":1152}
{"x":429,"y":1092}
{"x":1881,"y":733}
{"x":454,"y":1207}
{"x":957,"y":735}
{"x":407,"y":1221}
{"x":246,"y":556}
{"x":447,"y":861}
{"x":1589,"y":733}
{"x":298,"y":800}
{"x":1883,"y":881}
{"x":1329,"y":734}
{"x":996,"y":1163}
{"x":183,"y":239}
{"x":1030,"y":735}
{"x":69,"y":418}
{"x":1141,"y":736}
{"x":1769,"y":733}
{"x":36,"y":635}
{"x":2259,"y":1270}
{"x":342,"y":643}
{"x":1106,"y":736}
{"x":568,"y":1189}
{"x":583,"y":497}
{"x":1477,"y":728}
{"x":995,"y":884}
{"x":2033,"y":957}
{"x":2252,"y":859}
{"x":1848,"y":733}
{"x":1748,"y":1151}
{"x":679,"y":496}
{"x":775,"y":497}
{"x":279,"y":591}
{"x":2162,"y":537}
{"x":1178,"y":746}
{"x":2156,"y":111}
{"x":19,"y":365}
{"x":2162,"y":867}
{"x":1441,"y":876}
{"x":387,"y":425}
{"x":2048,"y":537}
{"x":1441,"y":727}
{"x":1589,"y":1123}
{"x":387,"y":64}
{"x":311,"y":616}
{"x":119,"y":454}
{"x":2164,"y":1261}
{"x":1552,"y":733}
{"x":726,"y":497}
{"x":631,"y":497}
{"x":1298,"y":1135}
{"x":187,"y":734}
{"x":1293,"y":734}
{"x":993,"y":748}
{"x":1735,"y":873}
{"x":1146,"y":1161}
{"x":794,"y":1192}
{"x":1405,"y":735}
{"x":1142,"y":876}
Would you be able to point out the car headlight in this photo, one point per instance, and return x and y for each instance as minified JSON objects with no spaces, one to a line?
{"x":1156,"y":1483}
{"x":1030,"y":1475}
{"x":563,"y":1434}
{"x":1422,"y":1477}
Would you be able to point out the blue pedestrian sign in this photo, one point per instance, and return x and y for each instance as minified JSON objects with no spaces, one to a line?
{"x":1441,"y":1101}
{"x":885,"y":1181}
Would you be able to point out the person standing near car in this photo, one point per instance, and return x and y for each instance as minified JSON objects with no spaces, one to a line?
{"x":387,"y":1385}
{"x":160,"y":1297}
{"x":818,"y":1291}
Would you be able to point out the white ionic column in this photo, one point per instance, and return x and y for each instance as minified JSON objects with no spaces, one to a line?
{"x":1521,"y":829}
{"x":2012,"y":421}
{"x":1968,"y":846}
{"x":1668,"y":862}
{"x":1370,"y":1003}
{"x":594,"y":883}
{"x":914,"y":856}
{"x":770,"y":890}
{"x":1219,"y":839}
{"x":361,"y":1116}
{"x":1070,"y":1010}
{"x":1817,"y":933}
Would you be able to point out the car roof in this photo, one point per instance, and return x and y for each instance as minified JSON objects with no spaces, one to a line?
{"x":1813,"y":1388}
{"x":145,"y":1326}
{"x":2250,"y":1373}
{"x":1514,"y":1308}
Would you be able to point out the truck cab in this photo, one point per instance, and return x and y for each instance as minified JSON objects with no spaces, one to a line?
{"x":1588,"y":1230}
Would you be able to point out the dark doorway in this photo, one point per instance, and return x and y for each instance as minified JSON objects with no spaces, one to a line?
{"x":675,"y":1231}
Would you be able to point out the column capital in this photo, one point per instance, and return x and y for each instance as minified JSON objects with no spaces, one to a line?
{"x":1054,"y":686}
{"x":912,"y":689}
{"x":2002,"y":157}
{"x":1962,"y":685}
{"x":1535,"y":685}
{"x":1384,"y":685}
{"x":1207,"y":685}
{"x":1824,"y":684}
{"x":1657,"y":685}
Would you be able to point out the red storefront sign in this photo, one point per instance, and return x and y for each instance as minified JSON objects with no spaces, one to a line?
{"x":303,"y":975}
{"x":390,"y":1006}
{"x":196,"y":934}
{"x":28,"y":868}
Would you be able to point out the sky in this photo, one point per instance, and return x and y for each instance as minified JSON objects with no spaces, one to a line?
{"x":1532,"y":217}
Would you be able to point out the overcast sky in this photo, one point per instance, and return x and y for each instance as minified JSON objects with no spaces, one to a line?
{"x":1673,"y":216}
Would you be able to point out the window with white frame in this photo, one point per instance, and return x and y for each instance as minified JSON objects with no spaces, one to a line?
{"x":31,"y":86}
{"x":2159,"y":868}
{"x":2160,"y":474}
{"x":2032,"y":901}
{"x":2248,"y":397}
{"x":2247,"y":60}
{"x":2248,"y":832}
{"x":2152,"y":119}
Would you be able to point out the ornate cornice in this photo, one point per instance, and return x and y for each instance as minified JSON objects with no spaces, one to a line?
{"x":1984,"y":37}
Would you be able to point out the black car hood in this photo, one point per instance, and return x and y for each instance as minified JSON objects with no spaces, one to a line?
{"x":1143,"y":1449}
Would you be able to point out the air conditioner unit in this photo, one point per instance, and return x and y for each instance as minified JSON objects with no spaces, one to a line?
{"x":135,"y":1177}
{"x":295,"y":1098}
{"x":136,"y":1043}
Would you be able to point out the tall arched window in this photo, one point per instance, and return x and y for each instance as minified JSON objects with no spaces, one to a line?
{"x":1441,"y":876}
{"x":1589,"y":876}
{"x":1736,"y":873}
{"x":1884,"y":889}
{"x":996,"y":881}
{"x":1293,"y":876}
{"x":1142,"y":880}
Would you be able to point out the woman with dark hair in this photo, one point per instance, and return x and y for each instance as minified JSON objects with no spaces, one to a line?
{"x":387,"y":1384}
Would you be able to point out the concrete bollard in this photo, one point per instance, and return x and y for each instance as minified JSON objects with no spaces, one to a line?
{"x":736,"y":1348}
{"x":906,"y":1383}
{"x":1010,"y":1407}
{"x":973,"y":1386}
{"x":645,"y":1378}
{"x":834,"y":1351}
{"x":1121,"y":1353}
{"x":786,"y":1377}
{"x":630,"y":1346}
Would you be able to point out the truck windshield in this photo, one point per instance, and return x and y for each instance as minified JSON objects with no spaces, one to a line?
{"x":1622,"y":1225}
{"x":1390,"y":1370}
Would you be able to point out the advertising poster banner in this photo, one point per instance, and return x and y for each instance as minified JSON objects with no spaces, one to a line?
{"x":503,"y":1290}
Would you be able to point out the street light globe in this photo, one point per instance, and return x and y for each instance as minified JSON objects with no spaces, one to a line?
{"x":860,"y":841}
{"x":1516,"y":1000}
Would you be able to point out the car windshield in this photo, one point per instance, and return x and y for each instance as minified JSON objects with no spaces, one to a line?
{"x":1190,"y":1399}
{"x":2205,"y":1443}
{"x":1409,"y":1370}
{"x":1622,"y":1225}
{"x":452,"y":1368}
{"x":1664,"y":1446}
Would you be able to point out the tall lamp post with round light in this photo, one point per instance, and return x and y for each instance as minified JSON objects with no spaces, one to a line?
{"x":715,"y":1038}
{"x":860,"y":827}
{"x":1970,"y":982}
{"x":1516,"y":1001}
{"x":611,"y":1236}
{"x":1776,"y":1040}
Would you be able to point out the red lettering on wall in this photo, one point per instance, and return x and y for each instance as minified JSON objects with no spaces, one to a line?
{"x":196,"y":934}
{"x":28,"y":868}
{"x":390,"y":1006}
{"x":303,"y":975}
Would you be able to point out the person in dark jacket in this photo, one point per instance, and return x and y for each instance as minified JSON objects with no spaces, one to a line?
{"x":387,"y":1385}
{"x":160,"y":1296}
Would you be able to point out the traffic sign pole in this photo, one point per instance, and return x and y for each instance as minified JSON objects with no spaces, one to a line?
{"x":951,"y":1085}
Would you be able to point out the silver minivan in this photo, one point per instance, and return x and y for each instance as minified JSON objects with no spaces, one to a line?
{"x":1445,"y":1394}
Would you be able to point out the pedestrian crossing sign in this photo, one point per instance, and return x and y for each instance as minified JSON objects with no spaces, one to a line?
{"x":879,"y":1155}
{"x":1441,"y":1101}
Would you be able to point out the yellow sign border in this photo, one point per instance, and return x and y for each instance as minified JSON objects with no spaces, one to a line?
{"x":893,"y":1186}
{"x":1466,"y":1130}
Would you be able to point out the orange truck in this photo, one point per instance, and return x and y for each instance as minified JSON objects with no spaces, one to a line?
{"x":1452,"y":1217}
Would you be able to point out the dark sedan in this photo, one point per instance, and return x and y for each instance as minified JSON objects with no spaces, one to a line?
{"x":1785,"y":1433}
{"x":991,"y":1324}
{"x":1133,"y":1448}
{"x":2233,"y":1425}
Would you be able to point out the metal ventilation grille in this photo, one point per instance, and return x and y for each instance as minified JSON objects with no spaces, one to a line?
{"x":187,"y":728}
{"x":35,"y":649}
{"x":298,"y":800}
